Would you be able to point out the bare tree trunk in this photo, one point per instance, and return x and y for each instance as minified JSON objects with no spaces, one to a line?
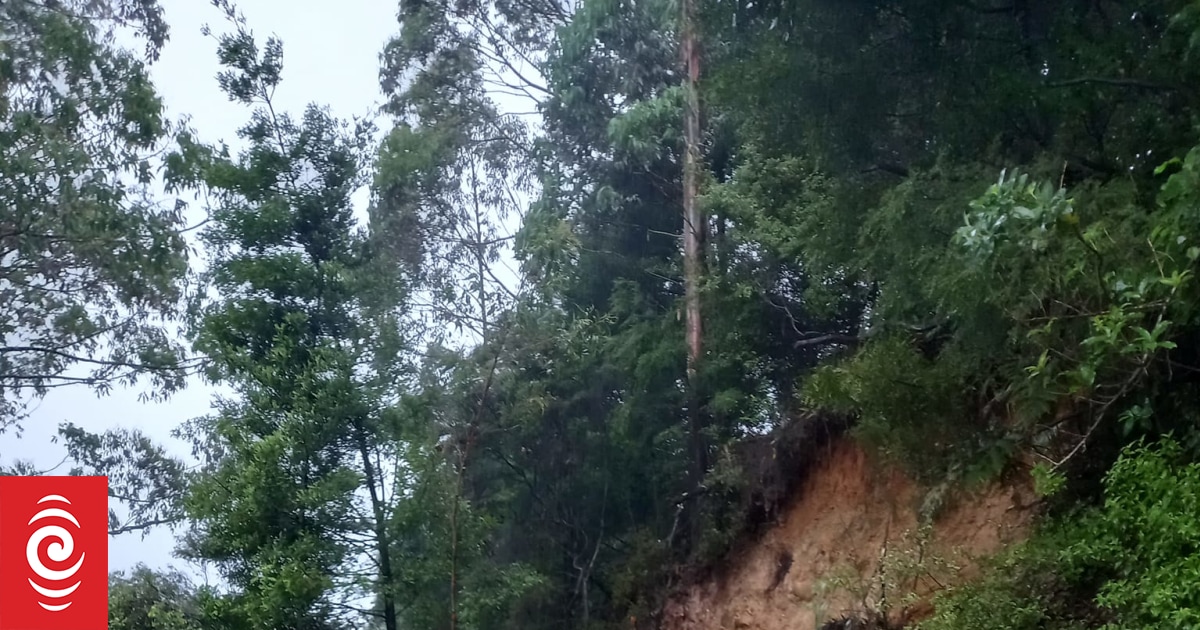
{"x":693,"y":244}
{"x":382,"y":541}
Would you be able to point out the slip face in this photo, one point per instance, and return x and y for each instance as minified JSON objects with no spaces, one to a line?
{"x":53,"y":553}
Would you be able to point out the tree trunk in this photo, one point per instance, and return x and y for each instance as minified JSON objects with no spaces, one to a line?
{"x":382,"y":543}
{"x":693,"y":254}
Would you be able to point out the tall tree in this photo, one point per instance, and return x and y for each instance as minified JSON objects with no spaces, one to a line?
{"x":694,"y":227}
{"x":304,"y":327}
{"x":454,"y":171}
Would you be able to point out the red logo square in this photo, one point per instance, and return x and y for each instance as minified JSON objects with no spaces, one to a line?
{"x":53,"y":553}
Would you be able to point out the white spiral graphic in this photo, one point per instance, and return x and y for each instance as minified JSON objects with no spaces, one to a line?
{"x":59,"y":551}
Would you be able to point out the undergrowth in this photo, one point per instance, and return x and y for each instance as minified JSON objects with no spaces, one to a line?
{"x":1131,"y":563}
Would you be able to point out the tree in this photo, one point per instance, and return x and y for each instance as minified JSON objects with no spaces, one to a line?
{"x":304,"y":327}
{"x":144,"y":599}
{"x":90,"y":263}
{"x":456,"y":165}
{"x":694,"y":226}
{"x":452,"y":172}
{"x":143,"y":478}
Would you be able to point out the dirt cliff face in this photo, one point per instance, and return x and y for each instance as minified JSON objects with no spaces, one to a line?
{"x":850,"y":542}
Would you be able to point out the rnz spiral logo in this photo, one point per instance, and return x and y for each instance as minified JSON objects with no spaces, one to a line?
{"x":53,"y":553}
{"x":59,"y":551}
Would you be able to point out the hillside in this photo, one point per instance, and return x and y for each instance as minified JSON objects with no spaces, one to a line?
{"x":851,"y":541}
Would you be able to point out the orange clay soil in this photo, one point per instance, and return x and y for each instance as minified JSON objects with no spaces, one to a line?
{"x":824,"y":557}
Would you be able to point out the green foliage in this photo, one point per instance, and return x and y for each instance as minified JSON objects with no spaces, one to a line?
{"x":1134,"y":558}
{"x":1081,"y":297}
{"x":1147,"y":536}
{"x":1064,"y":289}
{"x":638,"y":577}
{"x":147,"y":600}
{"x":300,"y":328}
{"x":650,"y":130}
{"x":1120,"y":287}
{"x":1018,"y":594}
{"x":89,"y":259}
{"x":1046,"y":481}
{"x":1015,"y":213}
{"x":148,"y":482}
{"x":903,"y":399}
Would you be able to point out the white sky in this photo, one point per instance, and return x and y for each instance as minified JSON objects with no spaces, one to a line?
{"x":331,"y":52}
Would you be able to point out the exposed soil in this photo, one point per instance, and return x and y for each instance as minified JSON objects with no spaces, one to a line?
{"x":825,"y":557}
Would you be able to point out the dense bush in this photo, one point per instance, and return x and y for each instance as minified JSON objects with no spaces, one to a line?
{"x":1131,"y":563}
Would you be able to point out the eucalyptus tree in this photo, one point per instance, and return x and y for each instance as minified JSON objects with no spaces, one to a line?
{"x":464,"y":84}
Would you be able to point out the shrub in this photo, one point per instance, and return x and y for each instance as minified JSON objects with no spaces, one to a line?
{"x":1132,"y":563}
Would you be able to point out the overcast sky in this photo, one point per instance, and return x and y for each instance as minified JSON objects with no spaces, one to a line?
{"x":331,"y":52}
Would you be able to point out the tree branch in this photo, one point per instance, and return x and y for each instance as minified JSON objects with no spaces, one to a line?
{"x":1124,"y":83}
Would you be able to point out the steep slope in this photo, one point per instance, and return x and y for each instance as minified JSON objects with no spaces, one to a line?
{"x":850,"y":542}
